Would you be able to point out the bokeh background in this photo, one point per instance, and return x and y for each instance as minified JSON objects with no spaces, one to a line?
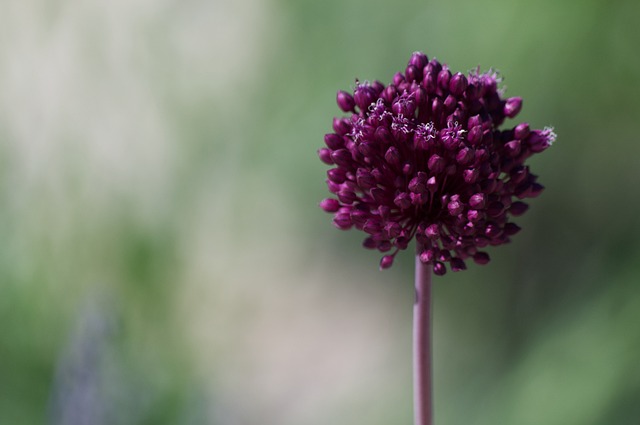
{"x":163,"y":259}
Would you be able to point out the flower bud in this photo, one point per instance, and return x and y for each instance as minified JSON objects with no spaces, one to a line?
{"x":413,"y":73}
{"x":518,"y":208}
{"x":419,"y":60}
{"x":402,"y":201}
{"x":512,"y":106}
{"x":477,"y":201}
{"x":330,"y":205}
{"x":444,"y":77}
{"x":345,"y":101}
{"x":481,"y":257}
{"x":342,"y":157}
{"x":458,"y":84}
{"x":439,"y":269}
{"x":364,"y":96}
{"x":386,"y":262}
{"x":337,"y":175}
{"x":521,"y":131}
{"x":342,"y":221}
{"x":392,"y":156}
{"x":457,"y":264}
{"x":432,"y":231}
{"x":325,"y":155}
{"x":341,"y":126}
{"x":436,"y":164}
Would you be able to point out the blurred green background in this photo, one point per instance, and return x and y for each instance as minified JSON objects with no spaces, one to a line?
{"x":163,"y":259}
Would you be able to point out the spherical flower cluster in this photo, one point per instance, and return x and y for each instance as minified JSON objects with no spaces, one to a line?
{"x":424,"y":157}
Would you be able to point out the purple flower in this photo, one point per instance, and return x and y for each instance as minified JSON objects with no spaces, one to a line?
{"x":425,"y":157}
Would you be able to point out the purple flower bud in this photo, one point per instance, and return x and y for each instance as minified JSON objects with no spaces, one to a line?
{"x":457,"y":264}
{"x":471,"y":175}
{"x":325,"y":155}
{"x":372,"y":227}
{"x":450,"y":103}
{"x":398,"y":78}
{"x":392,"y":156}
{"x":475,"y":135}
{"x":386,"y":262}
{"x":370,"y":243}
{"x":439,"y":269}
{"x":474,"y":216}
{"x":402,"y":201}
{"x":540,"y":140}
{"x":379,"y":195}
{"x":418,"y":198}
{"x":401,"y":242}
{"x":511,"y":229}
{"x":419,"y":60}
{"x":519,"y":174}
{"x":341,"y":126}
{"x":330,"y":205}
{"x":495,"y":208}
{"x":347,"y":197}
{"x":512,"y":148}
{"x":420,"y":95}
{"x":492,"y":231}
{"x":364,"y":95}
{"x":458,"y":84}
{"x":436,"y":164}
{"x":512,"y":106}
{"x":392,"y":229}
{"x":418,"y":184}
{"x":333,"y":187}
{"x":337,"y":175}
{"x":432,"y":231}
{"x":366,"y":149}
{"x":342,"y":157}
{"x":437,"y":107}
{"x":432,"y":184}
{"x":444,"y":77}
{"x":481,"y":257}
{"x":535,"y":190}
{"x":359,"y":217}
{"x":465,"y":155}
{"x":405,"y":106}
{"x":444,"y":255}
{"x":521,"y":131}
{"x":333,"y":141}
{"x":342,"y":221}
{"x":365,"y":179}
{"x":377,"y":87}
{"x":384,"y":246}
{"x":345,"y":101}
{"x":473,"y":92}
{"x":429,"y":83}
{"x":477,"y":201}
{"x":433,"y":66}
{"x":413,"y":73}
{"x":518,"y":208}
{"x":389,"y":93}
{"x":455,"y":207}
{"x":383,"y":136}
{"x":407,"y":168}
{"x":427,"y":256}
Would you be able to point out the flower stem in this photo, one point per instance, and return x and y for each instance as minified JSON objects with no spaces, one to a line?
{"x":422,"y":376}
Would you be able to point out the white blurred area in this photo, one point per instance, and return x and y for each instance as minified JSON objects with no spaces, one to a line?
{"x":93,"y":98}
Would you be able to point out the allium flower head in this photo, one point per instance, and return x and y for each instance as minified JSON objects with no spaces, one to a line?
{"x":425,"y":157}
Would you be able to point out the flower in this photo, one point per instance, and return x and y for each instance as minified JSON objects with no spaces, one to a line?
{"x":425,"y":157}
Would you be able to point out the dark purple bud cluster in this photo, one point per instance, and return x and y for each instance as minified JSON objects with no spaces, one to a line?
{"x":424,"y":157}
